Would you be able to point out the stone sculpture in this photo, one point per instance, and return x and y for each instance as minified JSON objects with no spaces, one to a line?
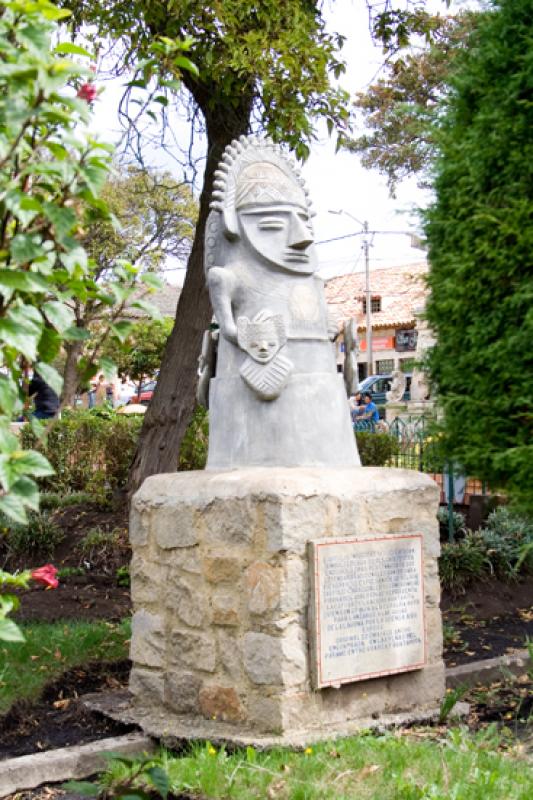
{"x":420,"y":390}
{"x":351,"y":351}
{"x":276,"y":398}
{"x":397,"y":389}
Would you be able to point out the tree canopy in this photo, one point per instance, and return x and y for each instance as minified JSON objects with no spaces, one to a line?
{"x":480,"y":236}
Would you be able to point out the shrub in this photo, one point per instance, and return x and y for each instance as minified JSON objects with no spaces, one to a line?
{"x":462,"y":562}
{"x":39,"y":537}
{"x":193,"y":451}
{"x":98,"y":548}
{"x":507,"y":536}
{"x":375,"y":449}
{"x":89,"y":451}
{"x":49,"y":501}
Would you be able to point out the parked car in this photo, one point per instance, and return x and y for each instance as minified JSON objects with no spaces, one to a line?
{"x":379,"y":385}
{"x":145,"y":394}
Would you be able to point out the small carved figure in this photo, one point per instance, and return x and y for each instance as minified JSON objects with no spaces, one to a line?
{"x":351,"y":350}
{"x":397,"y":389}
{"x":262,"y":338}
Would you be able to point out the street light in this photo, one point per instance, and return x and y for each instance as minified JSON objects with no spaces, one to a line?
{"x":366,"y":249}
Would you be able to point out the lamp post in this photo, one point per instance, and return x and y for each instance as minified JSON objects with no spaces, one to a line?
{"x":368,"y":296}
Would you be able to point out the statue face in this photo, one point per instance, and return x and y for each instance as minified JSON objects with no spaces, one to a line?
{"x":262,"y":341}
{"x":281,"y":234}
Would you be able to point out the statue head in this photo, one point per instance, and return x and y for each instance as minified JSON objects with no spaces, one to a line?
{"x":263,"y":201}
{"x":261,"y":337}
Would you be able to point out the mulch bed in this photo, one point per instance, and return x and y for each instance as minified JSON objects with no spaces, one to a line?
{"x":489,"y":620}
{"x":79,"y":597}
{"x":59,"y":719}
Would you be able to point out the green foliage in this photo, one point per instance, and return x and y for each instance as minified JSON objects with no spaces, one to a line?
{"x":99,"y":547}
{"x":52,"y":648}
{"x":50,"y":173}
{"x":459,"y":521}
{"x":375,"y":449}
{"x":49,"y":501}
{"x":454,"y":766}
{"x":267,"y":62}
{"x":503,"y":548}
{"x":193,"y":450}
{"x":480,"y":235}
{"x":123,"y":576}
{"x":38,"y":537}
{"x":139,"y":355}
{"x":89,"y":451}
{"x":450,"y":700}
{"x":398,"y":109}
{"x":463,"y":562}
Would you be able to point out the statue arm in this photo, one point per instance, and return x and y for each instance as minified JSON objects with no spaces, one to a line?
{"x":221,"y":287}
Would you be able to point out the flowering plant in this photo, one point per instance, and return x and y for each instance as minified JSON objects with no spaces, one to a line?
{"x":47,"y":575}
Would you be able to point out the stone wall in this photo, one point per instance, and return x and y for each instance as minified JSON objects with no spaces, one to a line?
{"x":221,"y":592}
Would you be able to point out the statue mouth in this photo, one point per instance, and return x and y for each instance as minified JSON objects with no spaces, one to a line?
{"x":292,"y":255}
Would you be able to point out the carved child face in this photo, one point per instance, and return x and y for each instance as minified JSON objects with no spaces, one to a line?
{"x":262,"y":341}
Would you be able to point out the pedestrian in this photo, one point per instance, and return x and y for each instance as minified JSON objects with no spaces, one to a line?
{"x":370,"y":410}
{"x":356,"y":406}
{"x":45,"y":400}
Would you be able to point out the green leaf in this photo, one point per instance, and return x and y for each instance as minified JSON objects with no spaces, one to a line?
{"x":23,"y":281}
{"x":9,"y":393}
{"x":8,"y":441}
{"x":13,"y":506}
{"x":107,"y":366}
{"x":32,"y":463}
{"x":152,"y":280}
{"x":75,"y":334}
{"x":10,"y":632}
{"x":121,"y":329}
{"x":77,"y":257}
{"x":85,"y":788}
{"x":51,"y":12}
{"x":28,"y":491}
{"x":151,"y":310}
{"x":59,"y":315}
{"x":51,"y":376}
{"x":67,"y":48}
{"x":49,"y":344}
{"x":20,"y":337}
{"x":26,"y":248}
{"x":185,"y":63}
{"x":160,"y":780}
{"x":63,"y":219}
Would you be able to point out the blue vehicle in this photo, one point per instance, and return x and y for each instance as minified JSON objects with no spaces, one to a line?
{"x":379,"y":385}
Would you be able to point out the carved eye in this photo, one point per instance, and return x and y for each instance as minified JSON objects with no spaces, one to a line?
{"x":271,"y":224}
{"x":272,"y":344}
{"x":254,"y":345}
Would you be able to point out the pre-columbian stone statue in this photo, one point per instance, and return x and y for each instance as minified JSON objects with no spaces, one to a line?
{"x":276,"y":398}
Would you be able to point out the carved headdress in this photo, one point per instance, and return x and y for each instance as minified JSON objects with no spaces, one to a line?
{"x":253,"y":170}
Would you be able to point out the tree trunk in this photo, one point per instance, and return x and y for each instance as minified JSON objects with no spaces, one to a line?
{"x":71,"y":376}
{"x":173,"y":402}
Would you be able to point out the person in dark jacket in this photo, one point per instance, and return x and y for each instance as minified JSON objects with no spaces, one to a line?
{"x":45,"y":400}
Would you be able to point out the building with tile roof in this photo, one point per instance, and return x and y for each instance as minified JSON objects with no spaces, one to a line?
{"x":397,"y":293}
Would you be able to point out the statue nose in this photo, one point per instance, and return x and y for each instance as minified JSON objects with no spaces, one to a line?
{"x":299,"y":234}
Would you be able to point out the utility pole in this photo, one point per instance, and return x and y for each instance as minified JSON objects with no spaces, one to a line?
{"x":368,"y":295}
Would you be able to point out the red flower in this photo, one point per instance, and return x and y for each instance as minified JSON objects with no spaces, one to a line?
{"x":46,"y":575}
{"x":88,"y":92}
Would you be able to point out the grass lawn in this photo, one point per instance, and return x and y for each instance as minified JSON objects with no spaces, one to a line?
{"x":52,"y":648}
{"x":415,"y":765}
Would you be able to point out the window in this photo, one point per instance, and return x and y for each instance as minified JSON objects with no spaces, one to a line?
{"x":385,"y":365}
{"x":375,"y":305}
{"x":406,"y":340}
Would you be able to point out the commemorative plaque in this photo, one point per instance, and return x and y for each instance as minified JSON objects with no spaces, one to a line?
{"x":367,"y":608}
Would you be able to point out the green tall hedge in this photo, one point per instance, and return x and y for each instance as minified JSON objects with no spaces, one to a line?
{"x":480,"y":236}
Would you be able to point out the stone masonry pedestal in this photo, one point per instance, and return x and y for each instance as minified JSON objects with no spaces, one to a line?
{"x":220,"y":586}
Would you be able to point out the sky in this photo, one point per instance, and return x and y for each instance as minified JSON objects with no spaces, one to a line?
{"x":336,"y":181}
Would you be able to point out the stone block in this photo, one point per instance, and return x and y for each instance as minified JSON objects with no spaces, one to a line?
{"x":294,"y":649}
{"x":174,"y":525}
{"x":262,"y":658}
{"x":138,"y":525}
{"x":147,"y":686}
{"x":262,"y":587}
{"x":225,"y":608}
{"x":295,"y":585}
{"x":193,"y":650}
{"x":222,"y":569}
{"x":148,"y":581}
{"x":186,"y":599}
{"x":231,"y":522}
{"x":230,"y":652}
{"x":147,"y":639}
{"x":290,"y":522}
{"x":181,"y":691}
{"x":221,"y":702}
{"x":184,"y":558}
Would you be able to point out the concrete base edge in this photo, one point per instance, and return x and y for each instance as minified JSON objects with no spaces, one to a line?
{"x":66,"y":763}
{"x":170,"y":730}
